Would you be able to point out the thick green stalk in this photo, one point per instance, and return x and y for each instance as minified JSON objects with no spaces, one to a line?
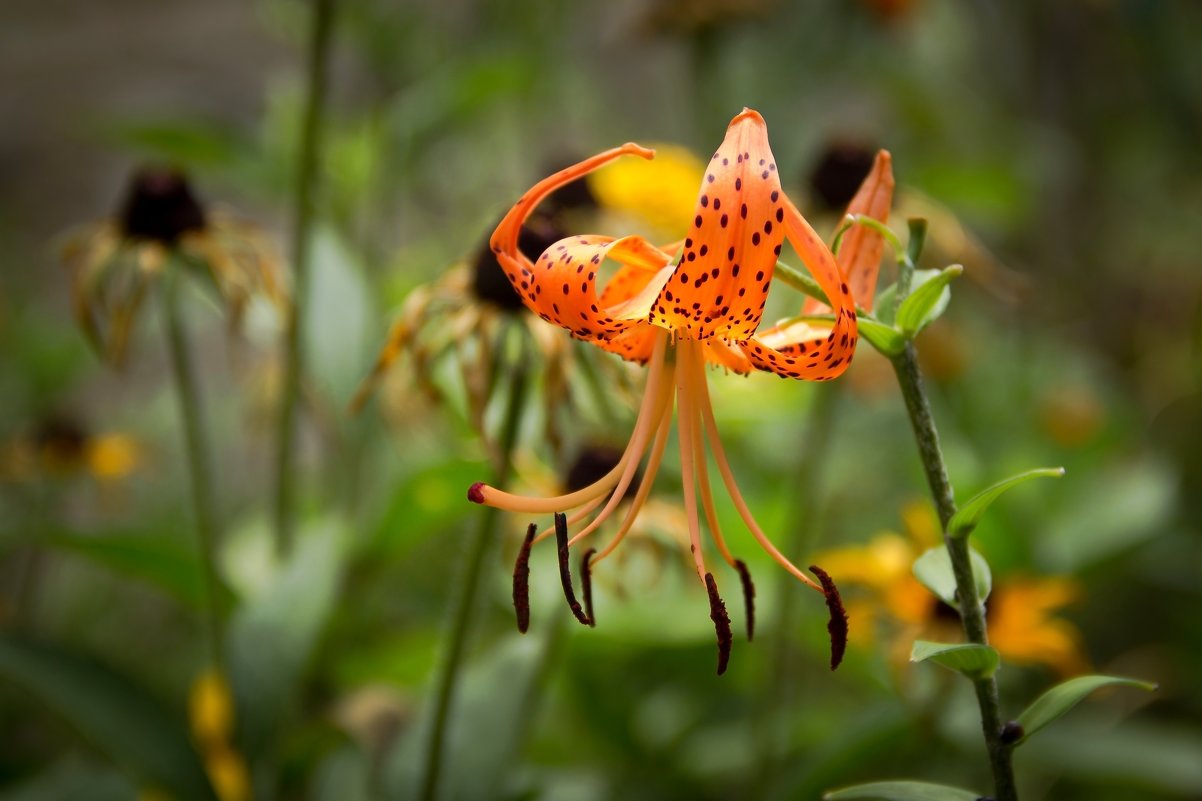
{"x":469,"y":586}
{"x":972,"y":611}
{"x":200,"y":461}
{"x":310,"y":142}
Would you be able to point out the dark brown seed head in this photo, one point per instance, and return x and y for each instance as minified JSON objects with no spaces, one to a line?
{"x":489,"y":282}
{"x":160,"y":207}
{"x":592,"y":464}
{"x":840,"y":170}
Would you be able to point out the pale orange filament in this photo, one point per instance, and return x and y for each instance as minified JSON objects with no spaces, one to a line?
{"x":696,"y":375}
{"x":640,"y":497}
{"x":685,"y":399}
{"x":648,"y":413}
{"x":711,"y":429}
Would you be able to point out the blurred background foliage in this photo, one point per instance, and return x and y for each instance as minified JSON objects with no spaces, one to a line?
{"x":1054,"y":148}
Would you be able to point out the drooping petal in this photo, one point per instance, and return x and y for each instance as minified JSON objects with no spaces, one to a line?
{"x":504,"y":242}
{"x":561,"y":286}
{"x":859,"y":254}
{"x":721,"y":283}
{"x":821,"y":359}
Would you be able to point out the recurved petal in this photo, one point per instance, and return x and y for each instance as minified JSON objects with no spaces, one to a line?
{"x":859,"y":255}
{"x":561,"y":286}
{"x":721,"y":283}
{"x":804,"y":351}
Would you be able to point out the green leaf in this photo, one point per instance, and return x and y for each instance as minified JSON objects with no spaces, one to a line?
{"x":968,"y":659}
{"x":161,"y":561}
{"x":117,"y":716}
{"x":934,"y":571}
{"x":1066,"y":695}
{"x":927,"y":301}
{"x":965,"y":520}
{"x":273,"y":633}
{"x":901,"y":791}
{"x":885,"y":338}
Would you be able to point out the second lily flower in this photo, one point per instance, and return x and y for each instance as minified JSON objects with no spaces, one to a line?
{"x":676,"y":308}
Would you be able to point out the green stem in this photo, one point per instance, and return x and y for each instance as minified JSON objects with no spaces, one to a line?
{"x":972,"y":611}
{"x":200,"y":461}
{"x":797,"y":543}
{"x":469,"y":586}
{"x":302,"y":220}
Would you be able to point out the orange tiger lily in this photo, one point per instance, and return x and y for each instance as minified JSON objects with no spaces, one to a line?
{"x":675,"y":309}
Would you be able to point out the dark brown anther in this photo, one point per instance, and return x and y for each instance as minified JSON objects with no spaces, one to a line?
{"x":586,"y":585}
{"x":521,"y":580}
{"x":748,"y":597}
{"x":1012,"y":732}
{"x":721,"y":622}
{"x":565,"y":569}
{"x":837,"y":626}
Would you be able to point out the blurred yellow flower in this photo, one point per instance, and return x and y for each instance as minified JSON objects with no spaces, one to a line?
{"x":62,"y":447}
{"x":675,"y":172}
{"x":211,"y":708}
{"x":1021,"y":618}
{"x":228,"y":775}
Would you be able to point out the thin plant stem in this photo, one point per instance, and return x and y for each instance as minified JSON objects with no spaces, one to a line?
{"x":310,"y":146}
{"x":972,"y":611}
{"x":200,"y":460}
{"x":464,"y":602}
{"x":798,"y":541}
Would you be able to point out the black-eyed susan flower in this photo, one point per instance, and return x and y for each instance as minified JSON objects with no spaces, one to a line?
{"x":115,"y":262}
{"x":63,"y":446}
{"x":675,"y":309}
{"x":462,"y":318}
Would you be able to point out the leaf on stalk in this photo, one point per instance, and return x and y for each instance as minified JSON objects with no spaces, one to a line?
{"x":928,"y":300}
{"x":965,"y":520}
{"x":1066,"y":695}
{"x":934,"y":571}
{"x":968,"y":659}
{"x":901,"y":791}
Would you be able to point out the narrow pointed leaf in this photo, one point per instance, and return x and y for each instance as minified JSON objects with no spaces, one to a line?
{"x":112,"y":712}
{"x":901,"y":791}
{"x":968,"y":659}
{"x":934,"y":571}
{"x":927,"y":301}
{"x":965,"y":520}
{"x":1066,"y":695}
{"x":886,"y":300}
{"x":885,"y":338}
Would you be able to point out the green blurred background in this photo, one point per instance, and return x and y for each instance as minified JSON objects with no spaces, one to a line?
{"x":1054,"y":147}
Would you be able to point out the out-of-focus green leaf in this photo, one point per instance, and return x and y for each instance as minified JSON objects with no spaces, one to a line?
{"x":927,"y":301}
{"x":193,"y":143}
{"x":965,"y":520}
{"x":968,"y":659}
{"x":1131,"y":756}
{"x":902,"y":791}
{"x":161,"y":561}
{"x":72,"y":778}
{"x":934,"y":570}
{"x":272,"y":634}
{"x":885,"y":338}
{"x":338,"y":329}
{"x":1066,"y":695}
{"x":111,"y":711}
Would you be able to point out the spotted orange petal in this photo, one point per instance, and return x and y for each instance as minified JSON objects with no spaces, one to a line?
{"x":860,"y":252}
{"x":821,"y":359}
{"x":721,"y":284}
